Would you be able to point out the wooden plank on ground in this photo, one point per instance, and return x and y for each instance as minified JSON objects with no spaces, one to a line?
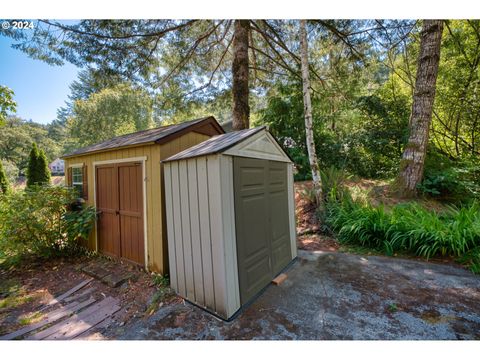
{"x":65,"y":325}
{"x":69,"y":292}
{"x":94,"y":332}
{"x":49,"y":318}
{"x":79,"y":295}
{"x":85,"y":323}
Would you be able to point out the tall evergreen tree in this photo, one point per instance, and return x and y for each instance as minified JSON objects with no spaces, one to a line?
{"x":4,"y":183}
{"x":240,"y":89}
{"x":32,"y":175}
{"x":43,"y":171}
{"x":38,"y":172}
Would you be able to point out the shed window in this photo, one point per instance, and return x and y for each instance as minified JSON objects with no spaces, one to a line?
{"x":77,"y":180}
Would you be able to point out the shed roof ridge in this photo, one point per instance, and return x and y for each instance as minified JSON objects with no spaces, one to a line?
{"x":162,"y":132}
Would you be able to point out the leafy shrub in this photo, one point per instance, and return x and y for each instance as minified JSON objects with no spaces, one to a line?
{"x":4,"y":183}
{"x":440,"y":184}
{"x":332,"y":179}
{"x":38,"y":221}
{"x":472,"y":260}
{"x":376,"y":146}
{"x":11,"y":170}
{"x":308,"y":193}
{"x":160,"y":280}
{"x":302,"y":165}
{"x":38,"y":172}
{"x":333,"y":182}
{"x":450,"y":180}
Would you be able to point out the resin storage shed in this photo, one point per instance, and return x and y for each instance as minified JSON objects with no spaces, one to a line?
{"x":122,"y":178}
{"x":230,"y":218}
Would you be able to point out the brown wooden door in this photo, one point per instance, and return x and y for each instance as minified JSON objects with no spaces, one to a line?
{"x":131,"y":212}
{"x":120,"y":201}
{"x":108,"y":226}
{"x":261,"y":221}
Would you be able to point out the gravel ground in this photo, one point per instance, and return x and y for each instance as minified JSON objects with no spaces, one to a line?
{"x":332,"y":295}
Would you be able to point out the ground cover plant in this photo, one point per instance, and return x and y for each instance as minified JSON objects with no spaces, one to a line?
{"x":407,"y":227}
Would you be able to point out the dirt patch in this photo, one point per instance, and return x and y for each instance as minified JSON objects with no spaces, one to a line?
{"x":309,"y":236}
{"x":317,"y":242}
{"x":307,"y":221}
{"x":381,"y":192}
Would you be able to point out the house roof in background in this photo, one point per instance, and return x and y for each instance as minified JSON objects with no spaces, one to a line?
{"x":158,"y":135}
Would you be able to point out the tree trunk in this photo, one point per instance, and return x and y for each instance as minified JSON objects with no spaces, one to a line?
{"x":241,"y":109}
{"x":413,"y":159}
{"x":307,"y":106}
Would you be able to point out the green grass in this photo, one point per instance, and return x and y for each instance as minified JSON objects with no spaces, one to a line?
{"x":157,"y":300}
{"x":12,"y":294}
{"x":393,"y":308}
{"x":163,"y":292}
{"x":9,"y":287}
{"x":15,"y":300}
{"x":30,"y":319}
{"x":160,"y":280}
{"x":472,"y":260}
{"x":409,"y":228}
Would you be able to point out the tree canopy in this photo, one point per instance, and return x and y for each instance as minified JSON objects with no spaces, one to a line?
{"x":110,"y":112}
{"x":7,"y":104}
{"x":142,"y":73}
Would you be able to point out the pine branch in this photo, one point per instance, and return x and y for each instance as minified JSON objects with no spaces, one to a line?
{"x":75,"y":30}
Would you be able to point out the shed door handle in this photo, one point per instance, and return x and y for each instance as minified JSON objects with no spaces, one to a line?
{"x":117,"y":212}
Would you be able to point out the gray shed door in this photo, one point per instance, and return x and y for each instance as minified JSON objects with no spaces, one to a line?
{"x":262,"y":226}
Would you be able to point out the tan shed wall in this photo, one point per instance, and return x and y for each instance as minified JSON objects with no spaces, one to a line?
{"x":157,"y":259}
{"x":201,"y":232}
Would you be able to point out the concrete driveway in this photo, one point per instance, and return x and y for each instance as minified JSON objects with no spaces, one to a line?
{"x":339,"y":296}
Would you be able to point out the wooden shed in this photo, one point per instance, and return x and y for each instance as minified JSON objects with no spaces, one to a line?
{"x":230,"y":218}
{"x":122,"y":177}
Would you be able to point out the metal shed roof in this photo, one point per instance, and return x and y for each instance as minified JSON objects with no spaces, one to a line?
{"x":216,"y":144}
{"x":158,"y":135}
{"x":221,"y":143}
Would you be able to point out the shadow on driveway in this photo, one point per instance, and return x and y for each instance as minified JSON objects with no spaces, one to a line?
{"x":339,"y":296}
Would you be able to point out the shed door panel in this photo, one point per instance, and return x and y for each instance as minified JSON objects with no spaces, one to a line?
{"x":278,"y":215}
{"x":120,"y":199}
{"x":130,"y":212}
{"x":261,"y":216}
{"x":108,"y":227}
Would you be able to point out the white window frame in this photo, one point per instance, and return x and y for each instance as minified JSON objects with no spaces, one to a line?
{"x":77,"y":166}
